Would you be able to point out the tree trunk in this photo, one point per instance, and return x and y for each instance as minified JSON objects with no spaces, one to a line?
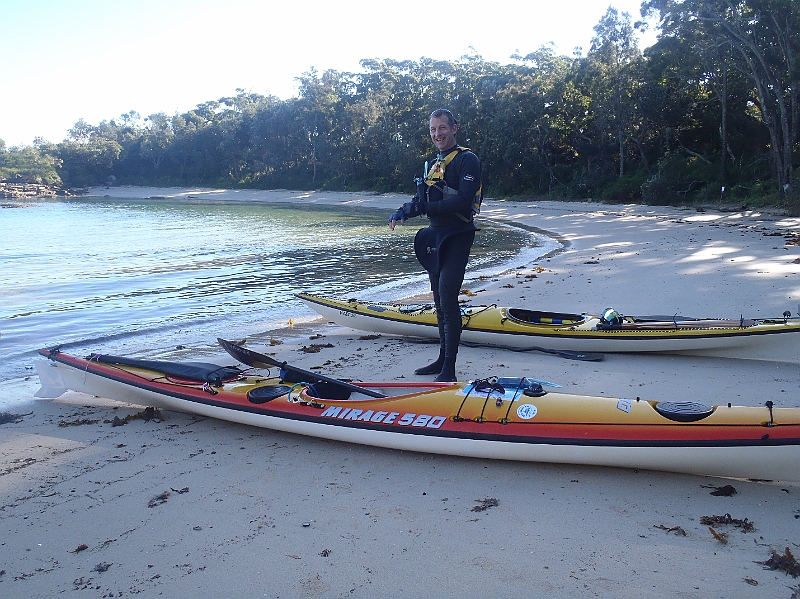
{"x":723,"y":126}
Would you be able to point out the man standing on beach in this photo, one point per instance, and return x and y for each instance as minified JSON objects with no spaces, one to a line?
{"x":449,"y":194}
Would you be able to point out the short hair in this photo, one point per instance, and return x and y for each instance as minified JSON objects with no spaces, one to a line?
{"x":443,"y":112}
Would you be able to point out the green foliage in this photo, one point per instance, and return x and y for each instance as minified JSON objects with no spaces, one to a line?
{"x":88,"y":163}
{"x":673,"y":126}
{"x":29,"y":164}
{"x":680,"y":180}
{"x":625,"y":190}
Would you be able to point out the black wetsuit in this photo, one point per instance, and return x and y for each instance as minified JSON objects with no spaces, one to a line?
{"x":443,"y":249}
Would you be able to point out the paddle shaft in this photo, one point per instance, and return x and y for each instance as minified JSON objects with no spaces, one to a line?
{"x":564,"y":353}
{"x":257,"y":360}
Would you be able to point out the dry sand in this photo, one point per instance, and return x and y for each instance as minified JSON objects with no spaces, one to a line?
{"x":78,"y":503}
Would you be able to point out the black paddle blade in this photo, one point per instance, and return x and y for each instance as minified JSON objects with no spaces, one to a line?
{"x":257,"y":360}
{"x":246,"y":356}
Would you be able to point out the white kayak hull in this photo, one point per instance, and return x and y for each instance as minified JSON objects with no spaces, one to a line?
{"x":775,"y":340}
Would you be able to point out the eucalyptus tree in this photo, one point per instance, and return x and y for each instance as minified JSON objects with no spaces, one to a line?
{"x":390,"y":101}
{"x":363,"y":152}
{"x":530,"y":137}
{"x":80,"y":132}
{"x":194,"y":149}
{"x":764,"y":38}
{"x":614,"y":68}
{"x":274,"y":144}
{"x":475,"y":87}
{"x":181,"y":148}
{"x":320,"y":118}
{"x":234,"y":123}
{"x":710,"y":138}
{"x":89,"y":154}
{"x":156,"y":138}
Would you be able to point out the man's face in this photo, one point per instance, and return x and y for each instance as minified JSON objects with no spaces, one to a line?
{"x":442,"y":134}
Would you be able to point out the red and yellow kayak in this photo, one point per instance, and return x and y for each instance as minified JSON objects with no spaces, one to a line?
{"x":507,"y":418}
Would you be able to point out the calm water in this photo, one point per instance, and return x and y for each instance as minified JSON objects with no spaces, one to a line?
{"x":142,"y":277}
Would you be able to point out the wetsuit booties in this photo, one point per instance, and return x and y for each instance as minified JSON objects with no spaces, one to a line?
{"x":445,"y":364}
{"x":432,"y":368}
{"x":448,"y":373}
{"x":452,"y":337}
{"x":435,"y":367}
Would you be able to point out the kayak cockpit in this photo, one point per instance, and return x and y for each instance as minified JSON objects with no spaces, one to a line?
{"x":331,"y":391}
{"x":547,"y":318}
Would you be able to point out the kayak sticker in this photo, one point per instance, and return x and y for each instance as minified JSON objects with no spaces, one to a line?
{"x":625,"y":405}
{"x":527,"y":411}
{"x":381,"y":417}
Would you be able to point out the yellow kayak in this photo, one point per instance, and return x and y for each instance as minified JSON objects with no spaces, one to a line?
{"x":521,"y":328}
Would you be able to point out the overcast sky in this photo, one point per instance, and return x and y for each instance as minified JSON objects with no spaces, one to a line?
{"x":97,"y":59}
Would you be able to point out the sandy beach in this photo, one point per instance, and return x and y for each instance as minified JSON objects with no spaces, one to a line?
{"x":189,"y":506}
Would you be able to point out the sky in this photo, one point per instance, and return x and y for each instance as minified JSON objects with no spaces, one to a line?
{"x":66,"y":60}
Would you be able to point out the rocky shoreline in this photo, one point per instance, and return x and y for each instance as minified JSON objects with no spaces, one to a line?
{"x":15,"y":191}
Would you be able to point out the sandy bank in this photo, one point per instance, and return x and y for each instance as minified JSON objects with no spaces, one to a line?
{"x":394,"y":524}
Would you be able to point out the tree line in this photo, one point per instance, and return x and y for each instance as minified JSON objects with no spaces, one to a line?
{"x":709,"y":113}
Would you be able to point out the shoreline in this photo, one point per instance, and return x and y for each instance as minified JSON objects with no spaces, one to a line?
{"x":390,"y":523}
{"x":616,"y":246}
{"x":383,"y":201}
{"x":407,"y":282}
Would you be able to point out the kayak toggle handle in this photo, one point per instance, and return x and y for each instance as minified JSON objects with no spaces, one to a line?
{"x":769,"y":405}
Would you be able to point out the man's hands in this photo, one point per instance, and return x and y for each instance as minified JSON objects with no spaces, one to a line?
{"x":398,"y":216}
{"x":415,"y":207}
{"x":406,"y":211}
